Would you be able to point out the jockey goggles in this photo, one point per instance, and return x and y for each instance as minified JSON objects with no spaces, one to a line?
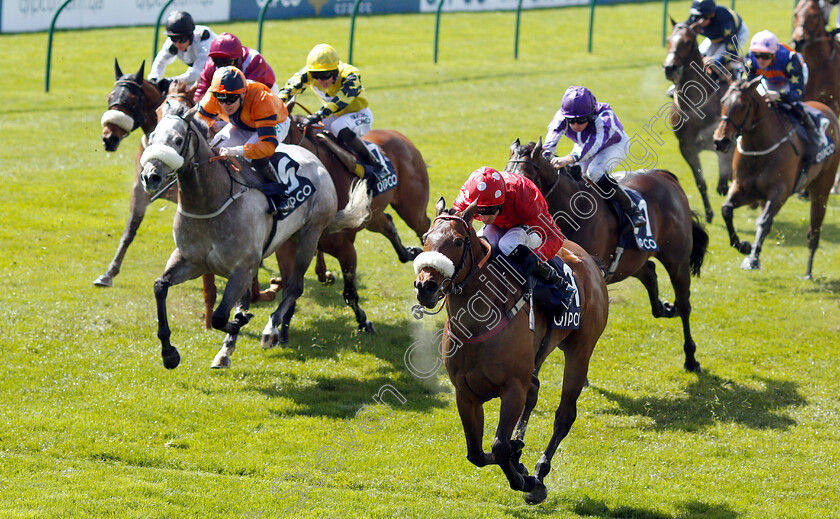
{"x":762,"y":55}
{"x":180,"y":38}
{"x":223,"y":62}
{"x":227,"y":99}
{"x":580,"y":120}
{"x":489,"y":210}
{"x":323,"y":74}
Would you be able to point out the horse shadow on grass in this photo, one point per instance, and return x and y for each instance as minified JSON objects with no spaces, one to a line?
{"x":589,"y":507}
{"x":710,"y":399}
{"x":785,"y":233}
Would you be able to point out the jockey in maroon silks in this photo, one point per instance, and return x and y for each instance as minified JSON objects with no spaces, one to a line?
{"x":516,"y":221}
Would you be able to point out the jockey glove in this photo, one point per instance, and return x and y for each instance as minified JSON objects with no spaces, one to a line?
{"x":311,"y":119}
{"x":236,"y":151}
{"x":162,"y":84}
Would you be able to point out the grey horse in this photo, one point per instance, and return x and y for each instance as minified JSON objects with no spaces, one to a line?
{"x":221,"y":226}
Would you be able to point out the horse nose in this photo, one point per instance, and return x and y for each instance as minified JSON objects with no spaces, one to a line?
{"x":798,"y":45}
{"x":426,"y":292}
{"x":151,"y":179}
{"x":669,"y":71}
{"x":722,"y":145}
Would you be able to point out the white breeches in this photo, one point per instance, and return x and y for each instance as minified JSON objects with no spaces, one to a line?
{"x":606,"y":160}
{"x":231,"y":135}
{"x":508,"y":240}
{"x":360,"y":122}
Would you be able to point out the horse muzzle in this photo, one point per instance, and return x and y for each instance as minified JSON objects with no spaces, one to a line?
{"x":151,"y":178}
{"x":671,"y":71}
{"x":722,"y":145}
{"x":111,"y":138}
{"x":427,"y":291}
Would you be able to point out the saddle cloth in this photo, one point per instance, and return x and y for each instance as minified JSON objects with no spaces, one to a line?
{"x":640,"y":238}
{"x":549,"y":298}
{"x":295,"y":190}
{"x":380,"y":181}
{"x":819,"y":151}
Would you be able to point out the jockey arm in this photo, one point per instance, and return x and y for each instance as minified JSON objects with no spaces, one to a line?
{"x":604,"y":128}
{"x":295,"y":85}
{"x":346,"y":94}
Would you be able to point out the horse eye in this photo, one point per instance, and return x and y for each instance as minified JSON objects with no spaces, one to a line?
{"x":459,"y":241}
{"x":179,"y":141}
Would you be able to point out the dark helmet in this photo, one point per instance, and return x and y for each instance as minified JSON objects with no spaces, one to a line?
{"x":702,"y":8}
{"x":179,"y":23}
{"x":228,"y":80}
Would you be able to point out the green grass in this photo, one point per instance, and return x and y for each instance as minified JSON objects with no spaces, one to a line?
{"x":92,"y":425}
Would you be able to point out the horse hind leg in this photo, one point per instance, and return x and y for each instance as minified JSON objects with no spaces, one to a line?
{"x":384,"y":224}
{"x":647,"y":275}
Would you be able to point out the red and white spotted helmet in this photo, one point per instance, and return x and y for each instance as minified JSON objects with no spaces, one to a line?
{"x":487,"y":186}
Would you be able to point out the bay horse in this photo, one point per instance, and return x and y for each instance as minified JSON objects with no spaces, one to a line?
{"x":584,"y":217}
{"x":822,"y":55}
{"x":697,"y":101}
{"x":504,"y":364}
{"x":132,"y":104}
{"x":767,"y":163}
{"x":222,"y":226}
{"x":409,"y":199}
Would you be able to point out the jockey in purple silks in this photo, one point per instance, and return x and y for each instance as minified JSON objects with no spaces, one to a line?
{"x":600,"y":144}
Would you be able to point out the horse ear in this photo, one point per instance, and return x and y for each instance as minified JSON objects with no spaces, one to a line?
{"x":440,"y":206}
{"x":754,"y":83}
{"x":188,"y":117}
{"x":537,"y":148}
{"x":139,"y":74}
{"x":469,"y":212}
{"x":117,"y":70}
{"x":673,"y":22}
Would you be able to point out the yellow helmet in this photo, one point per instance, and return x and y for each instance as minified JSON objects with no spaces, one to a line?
{"x":322,"y":57}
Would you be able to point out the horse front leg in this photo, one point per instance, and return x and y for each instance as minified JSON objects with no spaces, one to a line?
{"x":472,"y":421}
{"x":574,"y":378}
{"x":518,"y":438}
{"x":724,"y":172}
{"x":690,"y":151}
{"x":140,"y":200}
{"x":735,"y":198}
{"x":237,"y":291}
{"x":762,"y":229}
{"x":513,"y":397}
{"x":177,"y":271}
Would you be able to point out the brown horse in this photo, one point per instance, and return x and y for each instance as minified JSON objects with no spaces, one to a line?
{"x":132,"y":104}
{"x":582,"y":215}
{"x":822,"y":55}
{"x":767,"y":165}
{"x":409,"y":200}
{"x":484,"y":365}
{"x":697,"y":102}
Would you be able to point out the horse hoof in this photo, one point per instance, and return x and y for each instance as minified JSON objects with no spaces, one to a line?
{"x":171,"y":360}
{"x":367,"y":327}
{"x":220,"y":361}
{"x":105,"y":280}
{"x":709,"y":215}
{"x":744,"y":247}
{"x":537,"y":495}
{"x":412,"y":252}
{"x":328,"y":279}
{"x":693,"y":368}
{"x":269,"y":341}
{"x":751,"y":264}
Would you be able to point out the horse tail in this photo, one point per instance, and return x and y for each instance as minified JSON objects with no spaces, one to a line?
{"x":356,"y":211}
{"x":700,"y":246}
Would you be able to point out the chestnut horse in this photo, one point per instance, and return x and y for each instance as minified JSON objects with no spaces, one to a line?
{"x":697,"y":101}
{"x":409,"y":200}
{"x":767,"y":165}
{"x":506,"y":364}
{"x":132,"y":104}
{"x":822,"y":55}
{"x":582,"y":215}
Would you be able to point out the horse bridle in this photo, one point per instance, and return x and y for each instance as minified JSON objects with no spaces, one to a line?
{"x":537,"y":174}
{"x":128,"y":87}
{"x":739,"y":128}
{"x":188,"y":164}
{"x":695,"y":50}
{"x":811,"y":33}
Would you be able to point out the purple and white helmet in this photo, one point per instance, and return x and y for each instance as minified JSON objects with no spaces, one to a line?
{"x":764,"y":41}
{"x":578,"y":101}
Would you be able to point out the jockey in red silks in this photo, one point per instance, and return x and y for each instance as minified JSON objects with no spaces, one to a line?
{"x":516,"y":221}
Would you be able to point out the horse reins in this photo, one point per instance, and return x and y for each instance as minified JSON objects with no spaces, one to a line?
{"x":537,"y":173}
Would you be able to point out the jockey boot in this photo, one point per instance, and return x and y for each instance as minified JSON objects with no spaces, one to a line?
{"x":531,"y":264}
{"x":348,"y":138}
{"x":609,"y":186}
{"x":268,"y":175}
{"x":810,"y":127}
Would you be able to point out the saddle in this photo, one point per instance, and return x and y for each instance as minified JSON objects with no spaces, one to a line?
{"x":378,"y":182}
